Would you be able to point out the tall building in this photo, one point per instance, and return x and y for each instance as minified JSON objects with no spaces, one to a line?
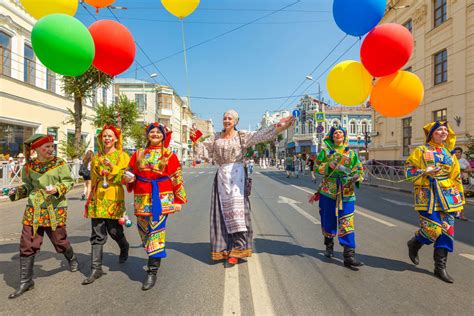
{"x":443,"y":57}
{"x":31,"y":96}
{"x":269,"y":119}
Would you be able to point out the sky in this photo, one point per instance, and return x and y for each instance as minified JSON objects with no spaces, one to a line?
{"x":269,"y":58}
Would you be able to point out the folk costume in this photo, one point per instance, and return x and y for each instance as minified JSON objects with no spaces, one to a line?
{"x":438,"y":198}
{"x":337,"y":198}
{"x":106,"y":202}
{"x":157,"y":188}
{"x":231,"y":227}
{"x":44,"y":213}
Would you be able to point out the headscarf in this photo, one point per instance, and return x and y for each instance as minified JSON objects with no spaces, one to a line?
{"x":234,"y":115}
{"x":430,"y":128}
{"x":329,"y":140}
{"x":165,"y":131}
{"x":37,"y":140}
{"x":118,"y":134}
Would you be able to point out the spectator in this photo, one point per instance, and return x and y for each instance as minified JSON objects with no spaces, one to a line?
{"x":466,"y":171}
{"x":11,"y":167}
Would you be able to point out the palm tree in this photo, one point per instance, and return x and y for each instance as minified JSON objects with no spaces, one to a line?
{"x":81,"y":88}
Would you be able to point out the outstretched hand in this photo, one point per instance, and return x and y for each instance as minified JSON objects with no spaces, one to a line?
{"x":285,"y":123}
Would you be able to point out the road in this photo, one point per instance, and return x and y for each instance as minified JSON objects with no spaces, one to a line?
{"x":288,"y":274}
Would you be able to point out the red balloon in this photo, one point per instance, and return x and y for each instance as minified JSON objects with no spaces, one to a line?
{"x":114,"y":47}
{"x":386,"y":49}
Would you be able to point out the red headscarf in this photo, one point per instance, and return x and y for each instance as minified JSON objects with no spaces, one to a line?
{"x":163,"y":129}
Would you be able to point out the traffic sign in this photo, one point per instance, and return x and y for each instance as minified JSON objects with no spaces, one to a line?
{"x":319,"y":117}
{"x":296,"y":113}
{"x":320,"y":129}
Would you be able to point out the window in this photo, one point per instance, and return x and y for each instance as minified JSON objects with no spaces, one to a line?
{"x":409,"y":25}
{"x":364,"y":127}
{"x":104,"y":96}
{"x":352,"y":127}
{"x":50,"y":81}
{"x":94,"y":98}
{"x":440,"y":115}
{"x":5,"y":54}
{"x":406,"y":123}
{"x":440,"y":13}
{"x":140,"y":99}
{"x":165,"y":101}
{"x":29,"y":65}
{"x":441,"y":67}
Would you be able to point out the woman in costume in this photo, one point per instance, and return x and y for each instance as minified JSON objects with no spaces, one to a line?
{"x":157,"y":182}
{"x":342,"y":170}
{"x":46,"y":180}
{"x":106,"y":202}
{"x":231,"y":229}
{"x":435,"y":173}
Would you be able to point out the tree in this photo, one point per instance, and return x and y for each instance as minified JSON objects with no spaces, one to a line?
{"x":81,"y":88}
{"x":123,"y":114}
{"x":470,"y":148}
{"x":70,"y":150}
{"x":138,"y":135}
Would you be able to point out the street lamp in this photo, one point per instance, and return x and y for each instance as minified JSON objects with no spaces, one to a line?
{"x":153,"y":75}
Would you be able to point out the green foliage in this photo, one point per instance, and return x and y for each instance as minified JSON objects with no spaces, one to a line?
{"x":123,"y":114}
{"x":470,"y":148}
{"x":137,"y":135}
{"x":70,"y":150}
{"x":82,"y":86}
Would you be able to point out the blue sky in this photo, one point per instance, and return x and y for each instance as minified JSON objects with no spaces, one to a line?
{"x":268,"y":58}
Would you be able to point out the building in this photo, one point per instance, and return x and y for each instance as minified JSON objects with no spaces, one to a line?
{"x":443,"y":58}
{"x":269,"y":119}
{"x":31,"y":97}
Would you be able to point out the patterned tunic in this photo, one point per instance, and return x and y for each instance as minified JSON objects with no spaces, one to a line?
{"x":107,"y":202}
{"x":153,"y":163}
{"x":42,"y":209}
{"x":446,"y":184}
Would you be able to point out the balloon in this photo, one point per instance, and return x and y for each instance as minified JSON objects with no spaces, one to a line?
{"x":386,"y":49}
{"x":397,"y":95}
{"x":349,"y":83}
{"x":39,"y":9}
{"x":114,"y":47}
{"x":180,"y":8}
{"x":99,"y":3}
{"x":357,"y":17}
{"x":63,"y":44}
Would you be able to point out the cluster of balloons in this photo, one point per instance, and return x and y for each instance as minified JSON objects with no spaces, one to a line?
{"x":384,"y":51}
{"x":66,"y":46}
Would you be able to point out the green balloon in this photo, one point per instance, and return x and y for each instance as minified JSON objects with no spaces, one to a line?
{"x":63,"y":44}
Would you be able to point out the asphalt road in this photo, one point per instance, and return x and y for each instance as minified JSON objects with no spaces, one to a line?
{"x":287,"y":275}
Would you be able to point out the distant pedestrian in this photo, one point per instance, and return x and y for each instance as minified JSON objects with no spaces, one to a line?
{"x":289,"y":166}
{"x":85,"y":172}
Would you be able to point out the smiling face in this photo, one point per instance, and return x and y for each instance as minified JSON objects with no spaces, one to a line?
{"x":155,"y":137}
{"x":228,"y":122}
{"x":338,"y":137}
{"x":108,"y":139}
{"x":440,"y":135}
{"x":45,"y":151}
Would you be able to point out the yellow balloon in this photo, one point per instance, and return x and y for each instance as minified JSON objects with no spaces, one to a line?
{"x":180,"y":8}
{"x":39,"y":9}
{"x":349,"y":83}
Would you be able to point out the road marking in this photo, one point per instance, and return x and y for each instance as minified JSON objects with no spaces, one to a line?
{"x":398,"y":202}
{"x":256,"y":172}
{"x":381,"y":221}
{"x":201,"y":172}
{"x":302,"y":189}
{"x":231,"y":291}
{"x":292,"y":203}
{"x":262,"y":303}
{"x":210,"y":172}
{"x":468,"y":256}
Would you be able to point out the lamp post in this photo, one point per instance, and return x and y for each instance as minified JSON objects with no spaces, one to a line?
{"x":153,"y":75}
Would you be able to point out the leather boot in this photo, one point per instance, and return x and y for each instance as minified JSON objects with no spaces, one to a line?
{"x":349,"y":258}
{"x":71,"y":259}
{"x":96,"y":265}
{"x":329,"y":242}
{"x":124,"y":247}
{"x":150,"y":280}
{"x":440,"y":256}
{"x":26,"y":276}
{"x":413,"y":247}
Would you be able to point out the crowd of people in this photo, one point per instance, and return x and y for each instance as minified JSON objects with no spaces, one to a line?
{"x":153,"y":174}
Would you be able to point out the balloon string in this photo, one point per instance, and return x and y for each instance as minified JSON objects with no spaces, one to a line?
{"x":186,"y":63}
{"x":96,"y":10}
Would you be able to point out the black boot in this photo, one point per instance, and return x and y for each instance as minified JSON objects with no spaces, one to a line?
{"x":440,"y":256}
{"x":71,"y":259}
{"x":96,"y":265}
{"x":329,"y":242}
{"x":413,"y":246}
{"x":349,"y":258}
{"x":26,"y":276}
{"x":124,"y":247}
{"x":150,"y":280}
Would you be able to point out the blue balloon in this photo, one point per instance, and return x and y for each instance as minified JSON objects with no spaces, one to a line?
{"x":358,"y":17}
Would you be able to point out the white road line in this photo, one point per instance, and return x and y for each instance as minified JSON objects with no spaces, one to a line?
{"x":262,"y":303}
{"x":398,"y":202}
{"x":210,"y":172}
{"x":381,"y":221}
{"x":468,"y":256}
{"x":292,"y":203}
{"x":201,"y":172}
{"x":302,"y":189}
{"x":231,"y":291}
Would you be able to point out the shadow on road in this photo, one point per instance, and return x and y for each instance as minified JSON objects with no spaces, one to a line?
{"x":199,"y":251}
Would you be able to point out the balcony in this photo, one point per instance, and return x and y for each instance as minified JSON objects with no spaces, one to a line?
{"x":165,"y":112}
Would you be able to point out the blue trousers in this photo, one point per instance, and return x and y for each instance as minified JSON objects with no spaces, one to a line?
{"x":342,"y":226}
{"x":437,"y":228}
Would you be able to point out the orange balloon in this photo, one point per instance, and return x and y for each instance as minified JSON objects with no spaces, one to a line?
{"x":100,"y":3}
{"x":398,"y":94}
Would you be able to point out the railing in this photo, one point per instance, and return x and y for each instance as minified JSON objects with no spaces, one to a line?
{"x":389,"y":176}
{"x":9,"y":178}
